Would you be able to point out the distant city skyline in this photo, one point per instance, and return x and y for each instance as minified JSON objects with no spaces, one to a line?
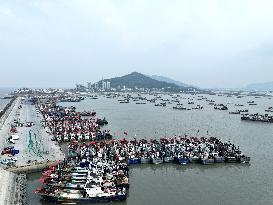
{"x":209,"y":44}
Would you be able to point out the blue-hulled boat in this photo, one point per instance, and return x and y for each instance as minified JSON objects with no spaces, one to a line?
{"x":182,"y":160}
{"x":134,"y":161}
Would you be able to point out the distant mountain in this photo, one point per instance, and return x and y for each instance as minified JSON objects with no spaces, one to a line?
{"x":267,"y":86}
{"x":169,"y":80}
{"x":139,"y":80}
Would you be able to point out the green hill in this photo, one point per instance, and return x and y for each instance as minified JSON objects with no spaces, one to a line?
{"x":139,"y":80}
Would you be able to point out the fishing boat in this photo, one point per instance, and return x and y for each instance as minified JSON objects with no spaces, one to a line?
{"x":182,"y":160}
{"x":220,"y":107}
{"x":179,"y":108}
{"x":244,"y":159}
{"x":235,"y":112}
{"x":89,"y":195}
{"x":231,"y":159}
{"x":218,"y":159}
{"x":75,"y":186}
{"x":124,"y":101}
{"x":80,"y":170}
{"x":194,"y":159}
{"x":207,"y":161}
{"x":134,"y":160}
{"x":161,"y":104}
{"x":157,"y":160}
{"x":168,"y":159}
{"x":198,"y":107}
{"x":243,"y":111}
{"x":270,"y":109}
{"x":257,"y":118}
{"x":145,"y":160}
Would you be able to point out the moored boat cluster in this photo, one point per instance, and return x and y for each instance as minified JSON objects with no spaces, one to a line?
{"x":98,"y":171}
{"x":182,"y":149}
{"x":257,"y":117}
{"x":66,"y":124}
{"x":85,"y":180}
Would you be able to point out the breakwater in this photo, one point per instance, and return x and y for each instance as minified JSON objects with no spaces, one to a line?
{"x":31,"y":168}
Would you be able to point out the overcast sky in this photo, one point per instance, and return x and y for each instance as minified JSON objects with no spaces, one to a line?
{"x":57,"y":43}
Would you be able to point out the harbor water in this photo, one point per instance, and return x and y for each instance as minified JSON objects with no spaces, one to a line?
{"x":172,"y":184}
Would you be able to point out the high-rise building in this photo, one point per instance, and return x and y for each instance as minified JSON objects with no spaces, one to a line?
{"x":104,"y":85}
{"x":89,"y":85}
{"x":108,"y":85}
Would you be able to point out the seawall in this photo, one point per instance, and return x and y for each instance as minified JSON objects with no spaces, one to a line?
{"x":13,"y":188}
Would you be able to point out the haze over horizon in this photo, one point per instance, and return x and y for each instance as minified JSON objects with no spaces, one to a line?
{"x":208,"y":44}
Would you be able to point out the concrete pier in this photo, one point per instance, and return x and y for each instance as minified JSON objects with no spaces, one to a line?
{"x":34,"y":143}
{"x":37,"y":150}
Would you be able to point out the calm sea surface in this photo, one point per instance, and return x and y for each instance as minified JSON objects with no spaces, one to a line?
{"x":172,"y":184}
